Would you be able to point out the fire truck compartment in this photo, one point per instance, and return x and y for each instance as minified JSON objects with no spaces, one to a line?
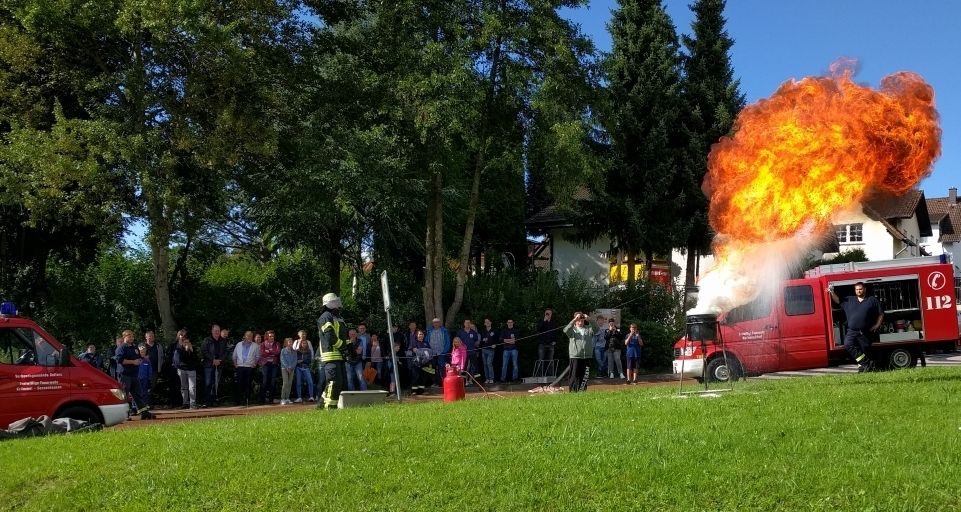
{"x":900,"y":298}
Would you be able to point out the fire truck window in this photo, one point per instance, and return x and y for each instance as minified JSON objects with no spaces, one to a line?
{"x":9,"y":352}
{"x":46,"y":354}
{"x":799,"y":300}
{"x":758,"y":308}
{"x":16,"y":347}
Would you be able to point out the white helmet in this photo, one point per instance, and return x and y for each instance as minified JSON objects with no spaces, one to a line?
{"x":332,"y":301}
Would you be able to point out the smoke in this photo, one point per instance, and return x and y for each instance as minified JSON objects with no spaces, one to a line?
{"x":751,"y":270}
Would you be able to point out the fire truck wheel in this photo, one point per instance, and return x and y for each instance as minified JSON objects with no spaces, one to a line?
{"x":79,"y":412}
{"x":901,"y":358}
{"x":718,"y":371}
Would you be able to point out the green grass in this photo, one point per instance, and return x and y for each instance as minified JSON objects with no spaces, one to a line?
{"x":887,"y":441}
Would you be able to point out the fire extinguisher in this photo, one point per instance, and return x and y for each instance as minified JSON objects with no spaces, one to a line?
{"x":453,"y":386}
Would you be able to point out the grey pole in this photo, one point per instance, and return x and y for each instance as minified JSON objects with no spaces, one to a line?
{"x":390,"y":333}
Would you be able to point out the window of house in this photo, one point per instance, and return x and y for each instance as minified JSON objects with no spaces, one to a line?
{"x":849,"y":233}
{"x":799,"y":300}
{"x":957,"y":289}
{"x":855,"y":232}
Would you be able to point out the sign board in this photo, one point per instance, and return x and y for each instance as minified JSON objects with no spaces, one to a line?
{"x":385,"y":289}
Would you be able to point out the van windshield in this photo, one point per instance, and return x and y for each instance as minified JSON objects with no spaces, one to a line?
{"x":26,"y":347}
{"x":758,"y":308}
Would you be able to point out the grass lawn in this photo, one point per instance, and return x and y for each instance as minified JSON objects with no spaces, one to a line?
{"x":888,"y":441}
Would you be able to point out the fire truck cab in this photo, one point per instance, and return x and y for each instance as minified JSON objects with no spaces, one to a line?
{"x":801,"y":328}
{"x":39,"y":377}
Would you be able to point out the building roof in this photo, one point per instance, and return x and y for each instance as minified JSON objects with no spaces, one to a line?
{"x":551,"y":216}
{"x":951,"y":225}
{"x":938,"y":208}
{"x":893,"y":208}
{"x":946,"y":212}
{"x":897,"y":207}
{"x":548,"y":218}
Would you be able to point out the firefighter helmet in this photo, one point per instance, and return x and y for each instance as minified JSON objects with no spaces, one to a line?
{"x":332,"y":301}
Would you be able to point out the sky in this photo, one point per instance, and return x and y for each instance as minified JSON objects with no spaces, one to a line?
{"x":776,"y":40}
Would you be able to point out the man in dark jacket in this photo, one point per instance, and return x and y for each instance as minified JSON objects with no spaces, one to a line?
{"x":546,"y":336}
{"x":213,"y":350}
{"x":488,"y":341}
{"x":128,"y":360}
{"x":615,"y":346}
{"x":91,"y":357}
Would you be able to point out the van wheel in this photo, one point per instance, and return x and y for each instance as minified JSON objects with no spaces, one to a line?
{"x":80,"y":412}
{"x":718,"y":371}
{"x":902,"y":358}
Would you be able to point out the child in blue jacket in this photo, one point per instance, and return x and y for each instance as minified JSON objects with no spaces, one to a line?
{"x":143,"y":374}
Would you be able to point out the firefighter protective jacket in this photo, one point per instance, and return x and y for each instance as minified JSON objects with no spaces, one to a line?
{"x":334,"y":344}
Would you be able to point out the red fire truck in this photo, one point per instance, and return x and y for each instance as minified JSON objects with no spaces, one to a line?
{"x":39,"y":377}
{"x":802,"y":328}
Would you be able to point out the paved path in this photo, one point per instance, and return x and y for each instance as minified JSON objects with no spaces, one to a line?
{"x":951,"y":359}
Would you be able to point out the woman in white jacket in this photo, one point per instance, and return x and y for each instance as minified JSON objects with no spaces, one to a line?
{"x":246,"y":354}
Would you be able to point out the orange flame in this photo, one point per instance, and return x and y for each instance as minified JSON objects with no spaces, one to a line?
{"x":816,"y":146}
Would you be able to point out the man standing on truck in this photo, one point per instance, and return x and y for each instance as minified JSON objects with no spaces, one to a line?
{"x":864,"y":317}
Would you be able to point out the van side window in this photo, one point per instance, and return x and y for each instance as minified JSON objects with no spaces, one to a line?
{"x":799,"y":300}
{"x":758,"y":308}
{"x":26,"y":348}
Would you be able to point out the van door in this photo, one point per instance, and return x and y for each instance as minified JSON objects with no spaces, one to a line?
{"x":803,"y":327}
{"x":31,"y":383}
{"x":751,"y":332}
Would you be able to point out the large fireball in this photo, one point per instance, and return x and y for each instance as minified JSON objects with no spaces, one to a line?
{"x":815,"y":148}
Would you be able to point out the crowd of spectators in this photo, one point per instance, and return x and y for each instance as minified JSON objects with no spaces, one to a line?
{"x":259,"y":361}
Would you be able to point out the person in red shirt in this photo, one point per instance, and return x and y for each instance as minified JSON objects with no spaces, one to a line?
{"x":269,"y":367}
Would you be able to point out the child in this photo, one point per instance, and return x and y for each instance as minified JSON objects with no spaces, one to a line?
{"x":634,"y":344}
{"x":288,"y":362}
{"x":143,"y":373}
{"x":458,"y":354}
{"x":376,"y":358}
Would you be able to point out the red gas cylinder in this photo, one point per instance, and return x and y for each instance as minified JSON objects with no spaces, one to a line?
{"x":453,"y":386}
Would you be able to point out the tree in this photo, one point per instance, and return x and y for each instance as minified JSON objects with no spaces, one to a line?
{"x":639,"y":204}
{"x":58,"y":196}
{"x":436,"y":96}
{"x":712,"y":101}
{"x":182,"y":90}
{"x":521,"y":46}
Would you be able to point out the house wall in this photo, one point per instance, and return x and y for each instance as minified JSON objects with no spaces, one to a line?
{"x":954,"y":249}
{"x":876,"y":243}
{"x":593,"y":264}
{"x":913,"y":231}
{"x":931,"y":243}
{"x":590,"y":262}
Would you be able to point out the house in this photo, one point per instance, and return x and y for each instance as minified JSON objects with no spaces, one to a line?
{"x":885,"y":227}
{"x":945,"y":238}
{"x":554,"y":250}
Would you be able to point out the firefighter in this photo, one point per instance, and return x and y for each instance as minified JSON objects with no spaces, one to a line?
{"x":334,"y":348}
{"x":864,"y":316}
